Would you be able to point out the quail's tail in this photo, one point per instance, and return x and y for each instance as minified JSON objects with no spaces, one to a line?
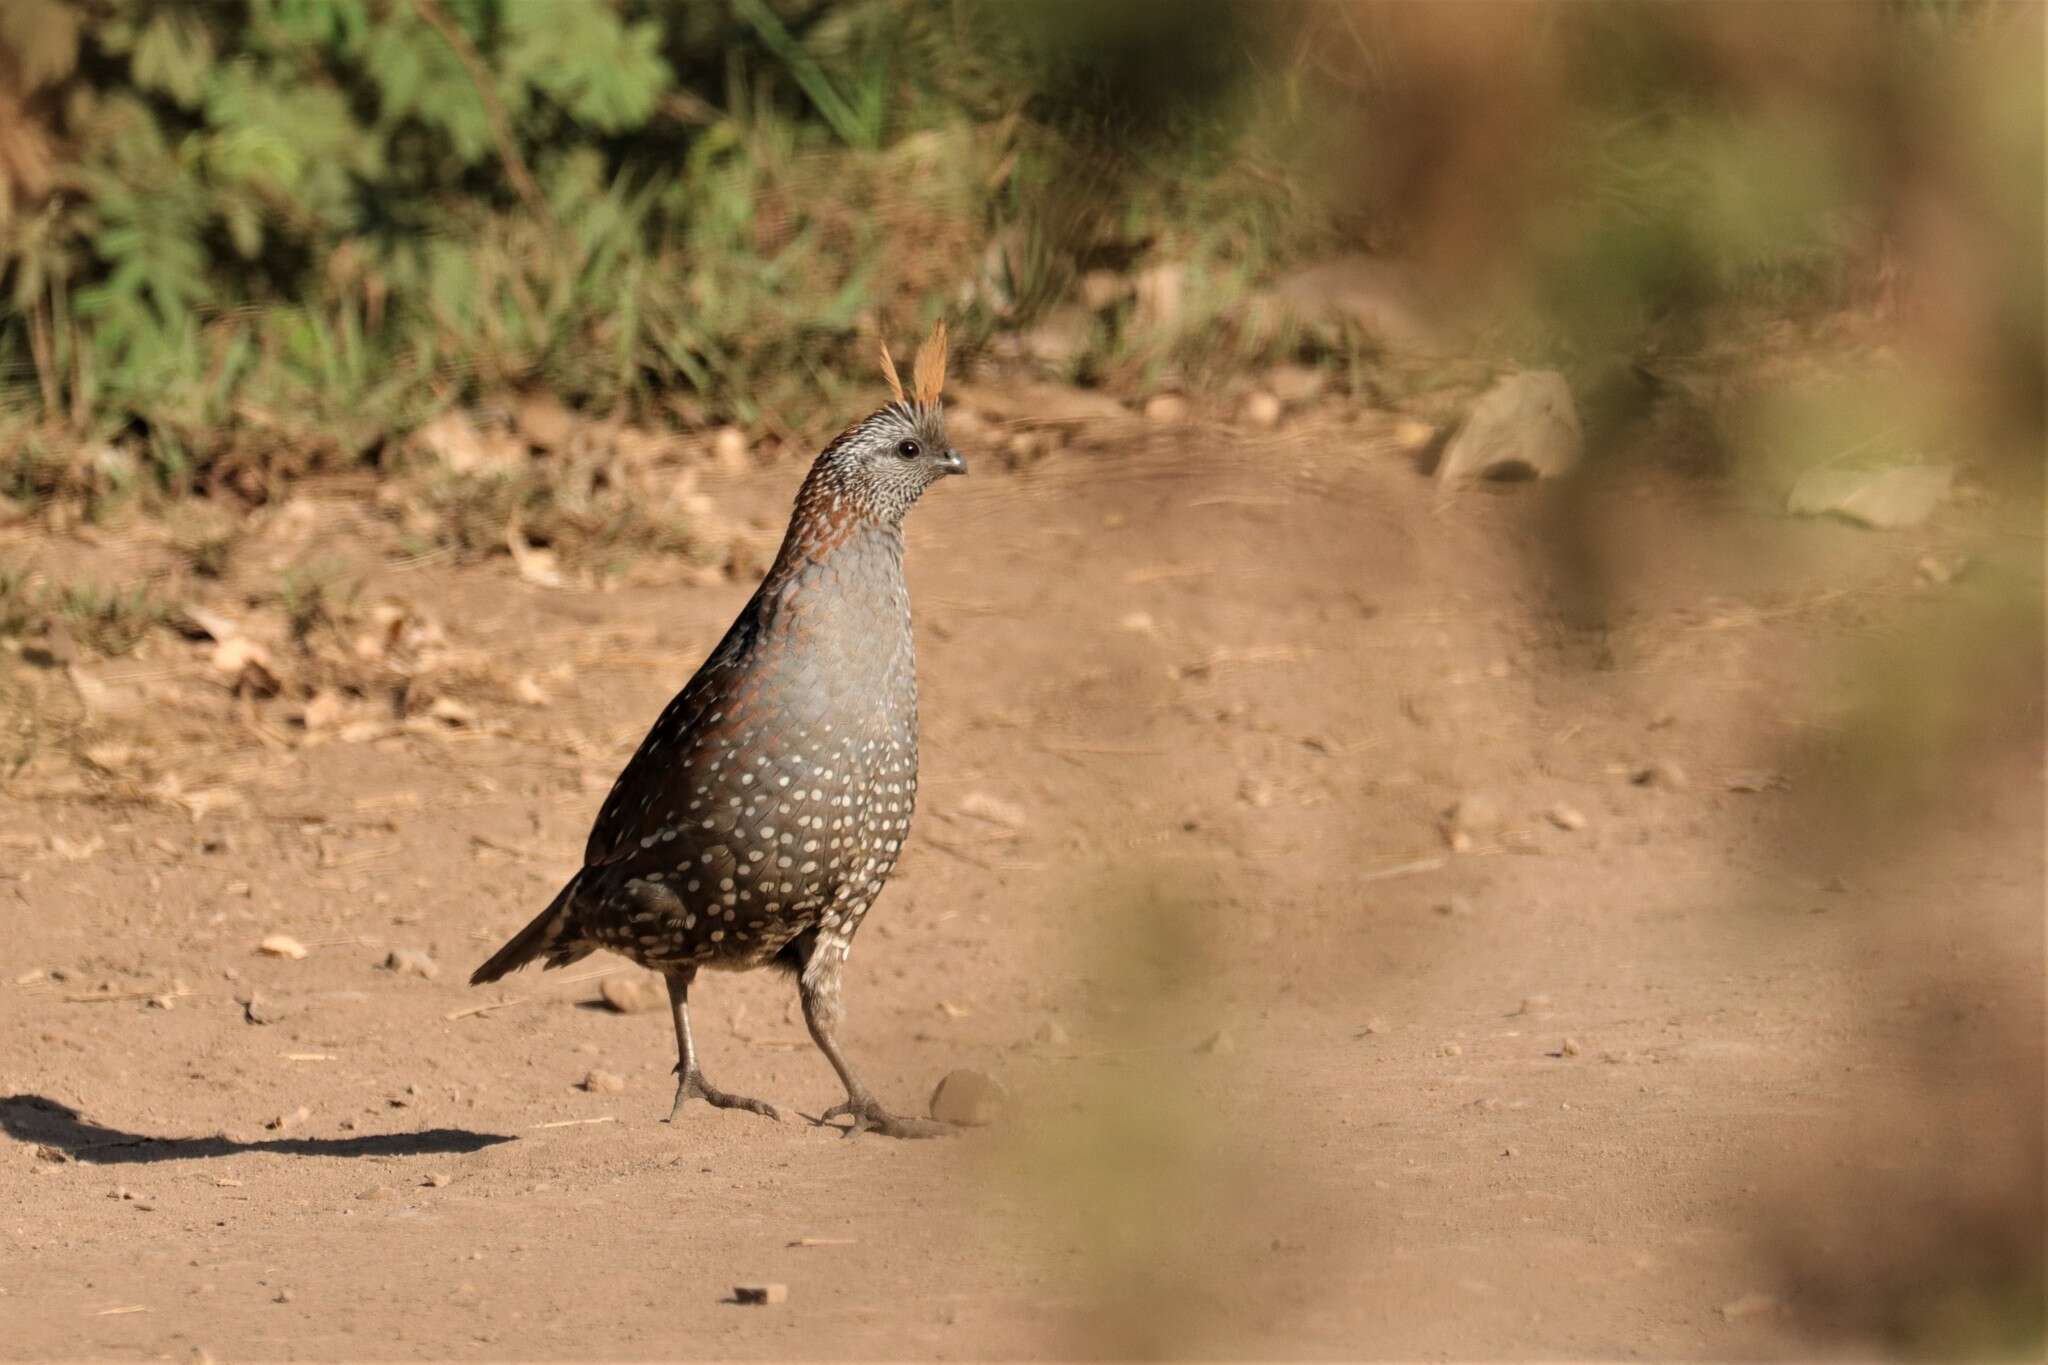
{"x":549,"y":936}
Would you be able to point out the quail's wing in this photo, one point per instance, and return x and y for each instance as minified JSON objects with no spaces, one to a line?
{"x":672,"y":757}
{"x":711,"y":775}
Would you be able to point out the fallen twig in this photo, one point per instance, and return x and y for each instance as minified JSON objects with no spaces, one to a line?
{"x":483,"y":1009}
{"x":1429,"y":864}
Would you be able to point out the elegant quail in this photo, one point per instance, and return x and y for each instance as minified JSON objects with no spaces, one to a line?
{"x":763,"y":812}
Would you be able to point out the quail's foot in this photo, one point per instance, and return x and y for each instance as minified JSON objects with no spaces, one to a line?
{"x":692,"y":1086}
{"x":868,"y":1115}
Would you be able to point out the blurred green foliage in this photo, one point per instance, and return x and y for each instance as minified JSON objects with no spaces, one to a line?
{"x":301,"y":223}
{"x":247,"y":237}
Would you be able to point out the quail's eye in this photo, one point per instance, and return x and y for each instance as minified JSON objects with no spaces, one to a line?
{"x":910,"y":450}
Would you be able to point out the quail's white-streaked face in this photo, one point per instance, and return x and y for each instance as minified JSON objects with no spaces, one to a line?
{"x":888,"y":460}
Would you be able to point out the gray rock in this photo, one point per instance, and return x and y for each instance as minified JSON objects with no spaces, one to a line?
{"x":1885,"y":499}
{"x":971,"y":1099}
{"x":1525,"y":426}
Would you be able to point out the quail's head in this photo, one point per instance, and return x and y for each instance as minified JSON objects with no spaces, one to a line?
{"x":882,"y":464}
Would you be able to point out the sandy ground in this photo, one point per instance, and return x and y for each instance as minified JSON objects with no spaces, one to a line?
{"x":1686,"y":1054}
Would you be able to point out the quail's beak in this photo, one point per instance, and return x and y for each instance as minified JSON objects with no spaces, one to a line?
{"x":951,"y":463}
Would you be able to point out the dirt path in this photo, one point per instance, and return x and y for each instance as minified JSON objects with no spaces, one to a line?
{"x":1289,"y":1076}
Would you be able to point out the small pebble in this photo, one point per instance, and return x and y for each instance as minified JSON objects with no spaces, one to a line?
{"x":760,"y":1293}
{"x":1413,"y":434}
{"x":1294,"y":383}
{"x":1570,"y":1047}
{"x":1454,"y":906}
{"x":437,"y":1180}
{"x":629,"y":994}
{"x":1939,"y":571}
{"x":1453,"y":1050}
{"x":1468,"y":819}
{"x":282,"y":945}
{"x":412,"y":962}
{"x":1566,"y":817}
{"x":729,"y":447}
{"x":603,"y":1083}
{"x":1662,"y":773}
{"x":1262,"y":409}
{"x":1166,"y":407}
{"x":1532,"y":1003}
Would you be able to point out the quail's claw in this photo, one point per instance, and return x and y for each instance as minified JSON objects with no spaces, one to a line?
{"x":868,"y":1115}
{"x":692,"y":1086}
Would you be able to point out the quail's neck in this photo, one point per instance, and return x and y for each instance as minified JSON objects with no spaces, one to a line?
{"x":818,"y":534}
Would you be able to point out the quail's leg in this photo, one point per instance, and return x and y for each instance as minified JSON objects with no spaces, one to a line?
{"x":689,"y":1080}
{"x":819,"y":986}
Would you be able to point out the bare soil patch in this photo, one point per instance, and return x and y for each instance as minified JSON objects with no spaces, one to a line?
{"x":1289,"y":1075}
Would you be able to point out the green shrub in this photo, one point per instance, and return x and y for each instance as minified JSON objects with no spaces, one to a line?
{"x":298,"y":223}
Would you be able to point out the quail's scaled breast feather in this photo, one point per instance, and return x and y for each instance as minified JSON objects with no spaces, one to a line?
{"x":763,"y":813}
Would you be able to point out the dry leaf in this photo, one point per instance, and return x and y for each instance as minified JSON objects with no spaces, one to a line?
{"x":109,"y":757}
{"x":103,"y":698}
{"x":247,"y":665}
{"x":995,"y":810}
{"x":456,"y":442}
{"x":212,"y":624}
{"x":76,"y":850}
{"x":535,"y":565}
{"x":198,"y":804}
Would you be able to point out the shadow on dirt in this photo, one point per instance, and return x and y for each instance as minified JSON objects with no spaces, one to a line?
{"x":31,"y":1118}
